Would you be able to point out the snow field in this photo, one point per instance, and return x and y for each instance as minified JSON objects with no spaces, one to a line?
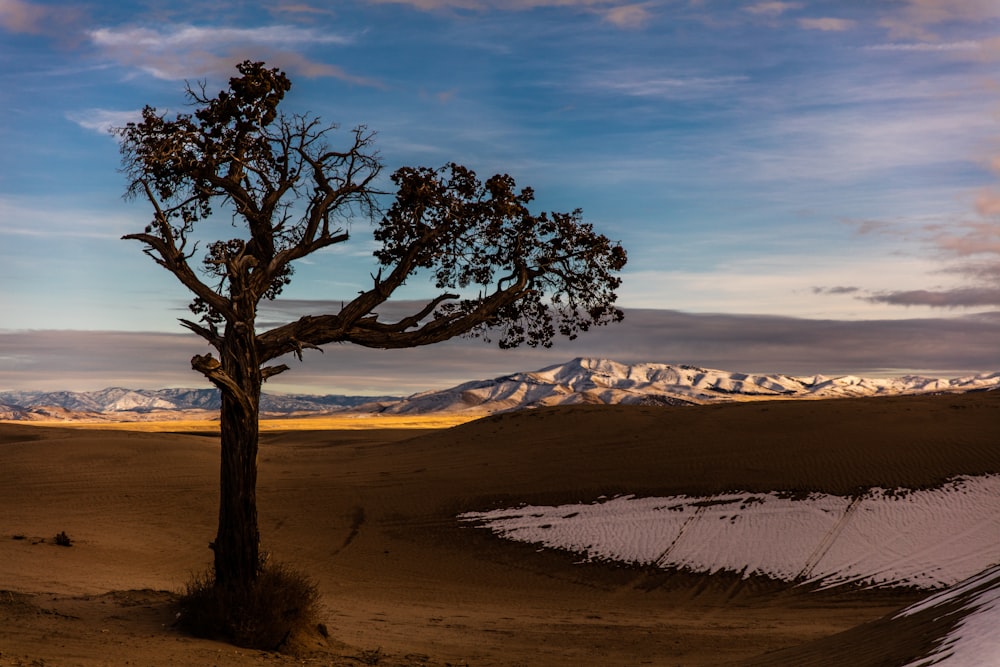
{"x":924,"y":538}
{"x":974,"y":640}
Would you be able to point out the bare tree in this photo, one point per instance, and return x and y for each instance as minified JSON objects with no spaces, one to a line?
{"x":498,"y":269}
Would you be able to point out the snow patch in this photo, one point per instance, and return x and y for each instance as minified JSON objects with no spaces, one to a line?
{"x":926,"y":538}
{"x":974,"y":640}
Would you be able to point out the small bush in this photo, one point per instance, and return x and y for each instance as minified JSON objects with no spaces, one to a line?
{"x":63,"y":540}
{"x":282,"y":603}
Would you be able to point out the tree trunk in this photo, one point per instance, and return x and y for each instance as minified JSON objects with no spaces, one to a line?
{"x":237,"y":543}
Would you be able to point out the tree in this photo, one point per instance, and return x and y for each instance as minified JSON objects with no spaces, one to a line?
{"x":499,"y":270}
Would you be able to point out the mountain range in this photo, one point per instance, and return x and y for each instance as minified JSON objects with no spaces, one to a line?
{"x":578,"y":381}
{"x":118,"y":404}
{"x":603,"y":381}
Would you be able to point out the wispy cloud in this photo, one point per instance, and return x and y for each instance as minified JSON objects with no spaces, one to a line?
{"x":102,"y":120}
{"x":981,"y":237}
{"x":842,"y":289}
{"x":50,"y":217}
{"x":301,"y":9}
{"x":20,"y":17}
{"x":660,"y":84}
{"x":965,"y":45}
{"x":616,"y":12}
{"x":916,"y":19}
{"x":176,"y":52}
{"x":988,"y":203}
{"x":967,"y":248}
{"x":189,"y":36}
{"x":515,"y":5}
{"x":827,"y":24}
{"x":30,"y":18}
{"x":771,"y":8}
{"x":873,"y":136}
{"x":628,"y":16}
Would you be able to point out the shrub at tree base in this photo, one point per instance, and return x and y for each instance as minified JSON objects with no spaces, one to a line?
{"x":280,"y":604}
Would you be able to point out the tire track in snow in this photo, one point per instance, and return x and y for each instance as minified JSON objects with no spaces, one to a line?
{"x":828,"y":540}
{"x":699,"y":511}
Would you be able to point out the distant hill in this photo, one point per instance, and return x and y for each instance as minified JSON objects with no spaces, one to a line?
{"x":118,"y":404}
{"x":580,"y":381}
{"x":608,"y":382}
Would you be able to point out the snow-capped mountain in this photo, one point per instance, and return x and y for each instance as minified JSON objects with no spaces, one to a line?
{"x":595,"y":381}
{"x":123,"y":403}
{"x":604,"y":381}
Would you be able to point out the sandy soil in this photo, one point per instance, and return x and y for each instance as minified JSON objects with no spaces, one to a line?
{"x":370,"y":514}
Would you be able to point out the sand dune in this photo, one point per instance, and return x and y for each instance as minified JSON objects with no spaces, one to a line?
{"x":373,"y":516}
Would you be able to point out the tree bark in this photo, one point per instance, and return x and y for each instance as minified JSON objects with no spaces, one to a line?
{"x":237,"y":544}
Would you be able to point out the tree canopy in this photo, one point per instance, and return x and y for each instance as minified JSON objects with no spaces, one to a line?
{"x":499,"y":270}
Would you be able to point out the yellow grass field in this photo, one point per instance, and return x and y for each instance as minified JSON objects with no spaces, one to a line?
{"x":352,"y":422}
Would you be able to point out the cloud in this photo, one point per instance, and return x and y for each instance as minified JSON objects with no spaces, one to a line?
{"x":434,"y":5}
{"x":177,"y":52}
{"x":188,"y":36}
{"x":915,"y":18}
{"x":658,"y":84}
{"x":836,"y":290}
{"x":22,"y":17}
{"x":970,"y":238}
{"x":510,"y":5}
{"x":933,"y":12}
{"x":967,"y":297}
{"x":28,"y":18}
{"x":76,"y":360}
{"x":970,"y":249}
{"x":102,"y":120}
{"x":301,"y":9}
{"x":965,"y":45}
{"x":772,"y":8}
{"x":628,"y":16}
{"x":618,"y":13}
{"x":31,"y":217}
{"x":827,"y":24}
{"x":988,"y":203}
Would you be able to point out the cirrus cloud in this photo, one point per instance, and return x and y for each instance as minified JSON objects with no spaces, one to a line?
{"x":827,"y":24}
{"x":772,"y":8}
{"x":22,"y":17}
{"x":628,"y":16}
{"x":177,"y":52}
{"x":102,"y":120}
{"x":915,"y":18}
{"x":618,"y":13}
{"x":969,"y":248}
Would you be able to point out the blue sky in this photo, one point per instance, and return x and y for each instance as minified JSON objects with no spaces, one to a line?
{"x":833,"y":167}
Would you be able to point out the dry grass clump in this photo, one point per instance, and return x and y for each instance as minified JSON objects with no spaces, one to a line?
{"x":281,"y":604}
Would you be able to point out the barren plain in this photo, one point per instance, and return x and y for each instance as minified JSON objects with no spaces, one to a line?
{"x":371,"y":515}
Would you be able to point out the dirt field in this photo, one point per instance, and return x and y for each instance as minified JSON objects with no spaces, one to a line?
{"x":370,"y":514}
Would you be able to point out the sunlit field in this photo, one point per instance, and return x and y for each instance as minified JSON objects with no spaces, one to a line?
{"x":354,"y":422}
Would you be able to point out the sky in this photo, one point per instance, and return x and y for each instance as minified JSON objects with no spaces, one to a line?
{"x":802,"y":187}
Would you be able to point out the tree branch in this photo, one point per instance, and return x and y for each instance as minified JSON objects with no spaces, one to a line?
{"x":271,"y":371}
{"x":210,"y":367}
{"x":210,"y":333}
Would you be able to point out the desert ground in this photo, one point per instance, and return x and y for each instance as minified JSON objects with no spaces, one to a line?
{"x":371,"y":515}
